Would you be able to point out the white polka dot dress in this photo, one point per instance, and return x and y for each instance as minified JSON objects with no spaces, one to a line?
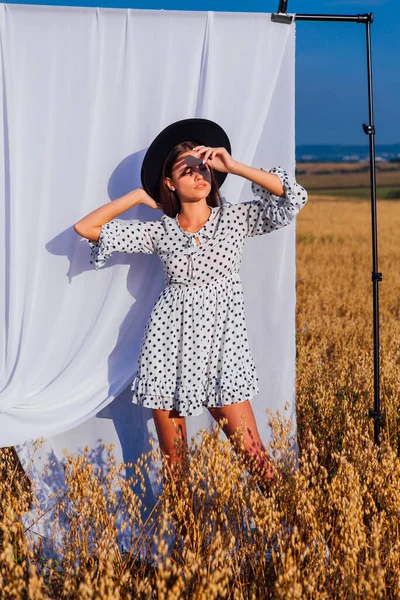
{"x":195,"y":351}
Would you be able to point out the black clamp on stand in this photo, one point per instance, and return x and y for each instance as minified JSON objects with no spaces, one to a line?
{"x":369,"y":129}
{"x":378,"y":416}
{"x":375,"y":414}
{"x":376,"y":276}
{"x":281,"y":16}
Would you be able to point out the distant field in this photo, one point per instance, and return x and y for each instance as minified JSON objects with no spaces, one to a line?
{"x":382,"y":193}
{"x":349,"y":180}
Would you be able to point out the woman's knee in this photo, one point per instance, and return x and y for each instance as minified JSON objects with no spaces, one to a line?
{"x":239,"y":422}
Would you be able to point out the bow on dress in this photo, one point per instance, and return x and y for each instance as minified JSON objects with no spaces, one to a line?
{"x":192,"y":247}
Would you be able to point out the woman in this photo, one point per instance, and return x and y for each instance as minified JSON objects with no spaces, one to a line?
{"x":195,"y":351}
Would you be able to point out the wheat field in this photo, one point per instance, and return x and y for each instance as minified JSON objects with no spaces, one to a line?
{"x":329,"y":530}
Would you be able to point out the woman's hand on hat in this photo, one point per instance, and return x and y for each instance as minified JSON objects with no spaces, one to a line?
{"x":216,"y":158}
{"x":146,"y":199}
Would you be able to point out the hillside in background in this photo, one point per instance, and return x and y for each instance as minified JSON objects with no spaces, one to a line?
{"x":349,"y":180}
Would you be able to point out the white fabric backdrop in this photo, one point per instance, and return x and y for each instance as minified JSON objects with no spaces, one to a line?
{"x":83,"y":93}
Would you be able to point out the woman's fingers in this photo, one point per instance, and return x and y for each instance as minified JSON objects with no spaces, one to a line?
{"x":209,"y":153}
{"x":224,"y":161}
{"x":200,"y":150}
{"x":206,"y":149}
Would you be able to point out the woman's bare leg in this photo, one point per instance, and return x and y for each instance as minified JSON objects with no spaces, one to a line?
{"x":254,"y":448}
{"x":171,"y":431}
{"x":172,"y":438}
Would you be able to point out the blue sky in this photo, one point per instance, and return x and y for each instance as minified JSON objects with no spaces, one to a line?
{"x":331,"y":71}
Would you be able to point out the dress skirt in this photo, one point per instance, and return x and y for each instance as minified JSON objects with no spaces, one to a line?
{"x":195,"y":352}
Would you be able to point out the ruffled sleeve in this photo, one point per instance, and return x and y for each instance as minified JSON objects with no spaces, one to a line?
{"x":269,"y":212}
{"x":123,"y":236}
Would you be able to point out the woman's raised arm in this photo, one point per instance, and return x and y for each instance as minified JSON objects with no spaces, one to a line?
{"x":90,"y":226}
{"x":268,"y":181}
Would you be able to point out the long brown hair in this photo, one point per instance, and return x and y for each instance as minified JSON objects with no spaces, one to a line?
{"x":169,"y":199}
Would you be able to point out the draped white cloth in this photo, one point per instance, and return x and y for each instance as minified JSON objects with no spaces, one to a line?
{"x":84,"y":91}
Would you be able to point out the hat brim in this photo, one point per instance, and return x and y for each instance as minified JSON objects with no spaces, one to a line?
{"x":202,"y":131}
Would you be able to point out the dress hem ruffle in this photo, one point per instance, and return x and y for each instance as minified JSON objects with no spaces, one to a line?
{"x":214,"y":392}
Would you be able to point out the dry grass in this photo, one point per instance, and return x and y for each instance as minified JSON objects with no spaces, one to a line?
{"x":329,"y":530}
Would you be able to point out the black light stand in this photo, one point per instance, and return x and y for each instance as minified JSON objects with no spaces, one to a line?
{"x":282,"y":17}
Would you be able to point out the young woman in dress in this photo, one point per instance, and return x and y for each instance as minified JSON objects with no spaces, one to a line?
{"x":195,"y":352}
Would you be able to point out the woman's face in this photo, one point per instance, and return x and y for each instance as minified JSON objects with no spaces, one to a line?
{"x":190,"y":177}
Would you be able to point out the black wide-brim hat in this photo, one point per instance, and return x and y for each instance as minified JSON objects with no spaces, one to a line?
{"x":202,"y":131}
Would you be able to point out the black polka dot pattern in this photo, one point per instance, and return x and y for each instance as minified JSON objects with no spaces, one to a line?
{"x":123,"y":236}
{"x":195,"y":351}
{"x":273,"y":212}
